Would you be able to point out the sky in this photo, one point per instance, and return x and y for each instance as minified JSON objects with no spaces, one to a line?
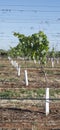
{"x":28,"y":17}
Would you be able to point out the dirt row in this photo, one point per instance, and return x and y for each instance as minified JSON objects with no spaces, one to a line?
{"x":28,"y":115}
{"x":30,"y":119}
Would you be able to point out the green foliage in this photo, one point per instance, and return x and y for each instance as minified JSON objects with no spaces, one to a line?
{"x":52,"y":53}
{"x":6,"y":94}
{"x":33,"y":93}
{"x":35,"y":46}
{"x":3,"y":53}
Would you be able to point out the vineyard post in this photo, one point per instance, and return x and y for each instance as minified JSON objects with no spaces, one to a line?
{"x":9,"y":58}
{"x":47,"y":101}
{"x":17,"y":66}
{"x":52,"y":61}
{"x":12,"y":62}
{"x":57,"y":61}
{"x":18,"y":70}
{"x":26,"y":78}
{"x":47,"y":96}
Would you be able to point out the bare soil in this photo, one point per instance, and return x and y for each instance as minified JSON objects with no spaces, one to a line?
{"x":32,"y":118}
{"x":28,"y":115}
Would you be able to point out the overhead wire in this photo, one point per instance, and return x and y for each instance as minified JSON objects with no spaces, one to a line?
{"x":7,"y":9}
{"x":27,"y":10}
{"x":30,"y":5}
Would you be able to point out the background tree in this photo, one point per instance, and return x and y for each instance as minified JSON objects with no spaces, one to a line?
{"x":52,"y":53}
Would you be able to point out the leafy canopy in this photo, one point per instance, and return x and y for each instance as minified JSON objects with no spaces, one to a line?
{"x":35,"y":46}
